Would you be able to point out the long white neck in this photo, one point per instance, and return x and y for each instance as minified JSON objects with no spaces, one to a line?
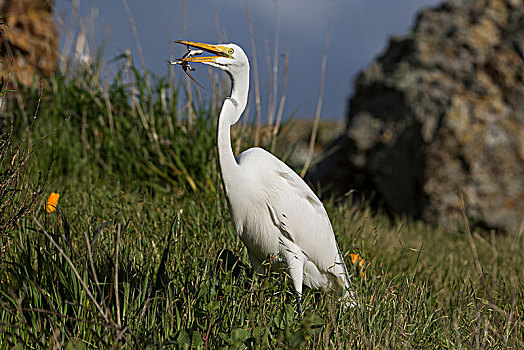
{"x":231,"y":112}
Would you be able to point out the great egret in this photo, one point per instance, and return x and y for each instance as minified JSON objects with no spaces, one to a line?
{"x":274,"y":212}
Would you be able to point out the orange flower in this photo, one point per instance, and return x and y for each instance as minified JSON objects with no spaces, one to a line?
{"x":52,"y":202}
{"x":358,"y":262}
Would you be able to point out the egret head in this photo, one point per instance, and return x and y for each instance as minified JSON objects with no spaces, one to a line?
{"x":228,"y":57}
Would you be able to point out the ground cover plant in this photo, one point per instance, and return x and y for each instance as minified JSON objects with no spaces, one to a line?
{"x":141,"y":252}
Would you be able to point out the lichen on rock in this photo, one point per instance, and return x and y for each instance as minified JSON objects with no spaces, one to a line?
{"x":442,"y":111}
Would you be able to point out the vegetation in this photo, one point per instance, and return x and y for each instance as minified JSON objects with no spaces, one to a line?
{"x":141,"y":251}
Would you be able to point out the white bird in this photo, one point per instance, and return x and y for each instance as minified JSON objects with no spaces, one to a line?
{"x":274,"y":212}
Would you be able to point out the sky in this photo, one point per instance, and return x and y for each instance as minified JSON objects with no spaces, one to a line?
{"x":360,"y":31}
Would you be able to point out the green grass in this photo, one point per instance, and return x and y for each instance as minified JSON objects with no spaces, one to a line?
{"x":134,"y":256}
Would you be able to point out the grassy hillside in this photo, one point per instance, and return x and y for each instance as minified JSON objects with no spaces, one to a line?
{"x":141,"y":251}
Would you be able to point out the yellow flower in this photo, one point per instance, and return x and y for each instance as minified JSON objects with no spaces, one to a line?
{"x":52,"y":202}
{"x":358,"y":262}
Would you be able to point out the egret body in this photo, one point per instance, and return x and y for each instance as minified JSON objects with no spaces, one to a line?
{"x":274,"y":212}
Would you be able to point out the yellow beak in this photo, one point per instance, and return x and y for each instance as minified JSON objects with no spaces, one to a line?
{"x":218,"y":50}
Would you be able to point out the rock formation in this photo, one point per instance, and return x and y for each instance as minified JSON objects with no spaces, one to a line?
{"x":442,"y":110}
{"x":30,"y":41}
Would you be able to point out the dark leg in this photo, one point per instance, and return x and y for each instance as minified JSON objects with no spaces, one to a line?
{"x":299,"y":305}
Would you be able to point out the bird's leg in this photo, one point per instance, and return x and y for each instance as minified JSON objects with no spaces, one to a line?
{"x":299,"y":304}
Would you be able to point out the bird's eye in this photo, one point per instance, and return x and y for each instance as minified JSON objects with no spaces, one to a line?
{"x":230,"y":51}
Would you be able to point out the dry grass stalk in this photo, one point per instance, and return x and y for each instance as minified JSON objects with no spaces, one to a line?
{"x":258,"y":112}
{"x":282,"y":103}
{"x":320,"y":95}
{"x":273,"y":109}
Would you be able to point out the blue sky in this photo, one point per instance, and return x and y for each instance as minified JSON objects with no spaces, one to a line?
{"x":360,"y":31}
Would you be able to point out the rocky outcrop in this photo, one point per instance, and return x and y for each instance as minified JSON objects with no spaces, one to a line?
{"x":442,"y":110}
{"x":30,"y":41}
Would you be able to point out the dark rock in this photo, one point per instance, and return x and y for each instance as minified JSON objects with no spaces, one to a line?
{"x":442,"y":110}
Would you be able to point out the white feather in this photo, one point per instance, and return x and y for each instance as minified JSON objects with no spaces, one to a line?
{"x":274,"y":212}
